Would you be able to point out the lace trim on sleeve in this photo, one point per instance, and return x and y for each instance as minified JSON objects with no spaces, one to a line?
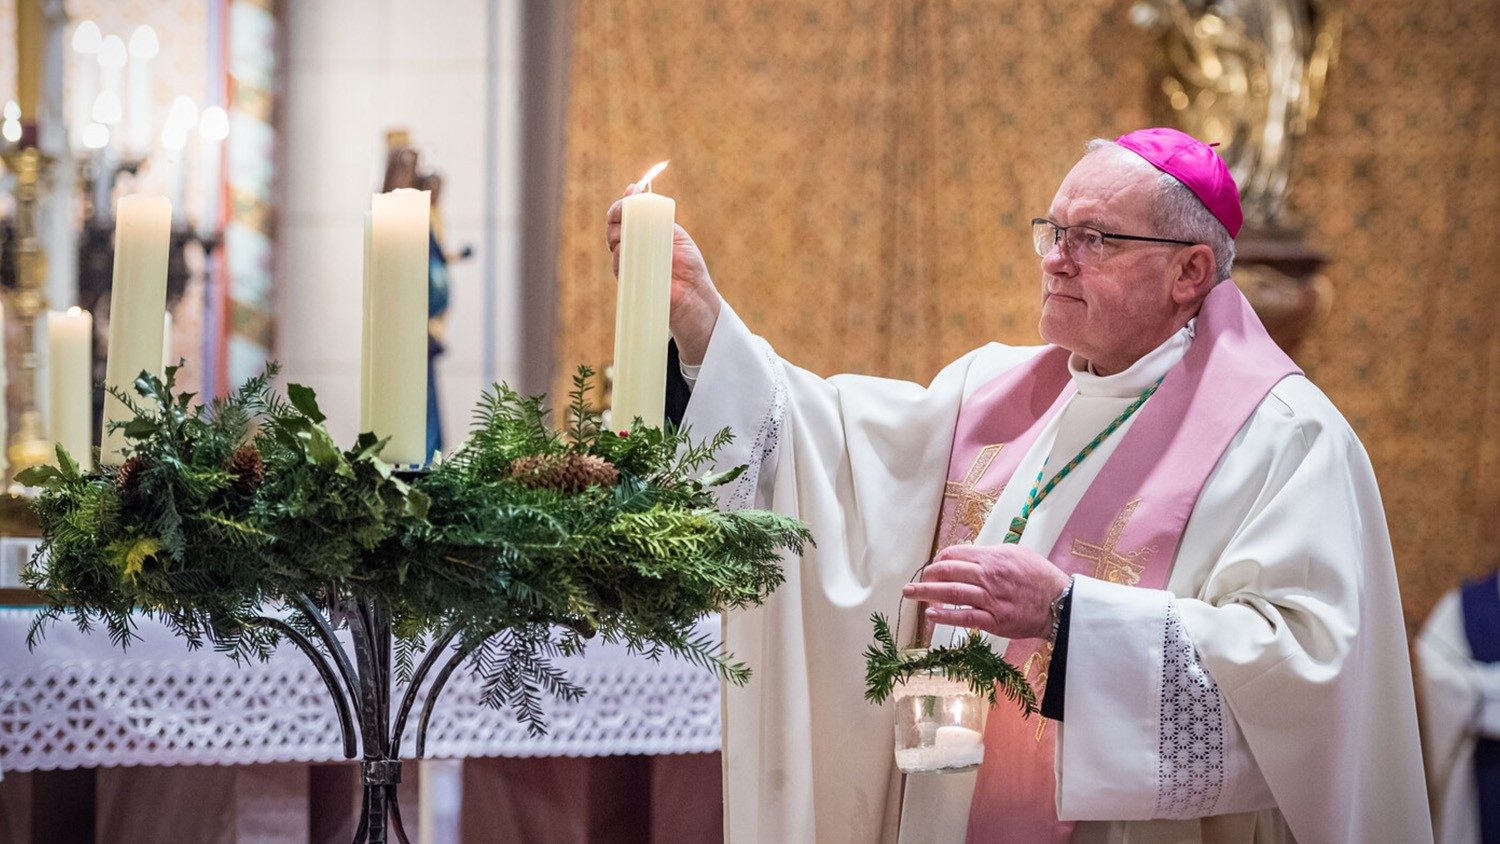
{"x":767,"y":436}
{"x":1190,"y":746}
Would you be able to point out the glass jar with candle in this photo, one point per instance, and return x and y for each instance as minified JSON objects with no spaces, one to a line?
{"x":939,"y":723}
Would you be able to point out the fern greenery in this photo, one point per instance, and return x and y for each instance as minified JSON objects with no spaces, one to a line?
{"x":527,"y":574}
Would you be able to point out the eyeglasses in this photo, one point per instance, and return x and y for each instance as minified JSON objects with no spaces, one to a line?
{"x":1084,"y":243}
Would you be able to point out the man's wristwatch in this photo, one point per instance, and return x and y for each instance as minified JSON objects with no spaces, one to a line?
{"x":1056,"y":608}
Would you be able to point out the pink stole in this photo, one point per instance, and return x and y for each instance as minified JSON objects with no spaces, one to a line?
{"x":1126,"y":528}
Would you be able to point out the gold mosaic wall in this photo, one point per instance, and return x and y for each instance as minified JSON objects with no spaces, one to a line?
{"x":859,"y":175}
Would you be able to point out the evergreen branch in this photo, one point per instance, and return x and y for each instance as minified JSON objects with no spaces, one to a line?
{"x":973,"y":662}
{"x":247,"y":499}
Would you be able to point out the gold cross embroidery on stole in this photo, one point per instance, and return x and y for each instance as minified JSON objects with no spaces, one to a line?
{"x":1110,"y":565}
{"x":971,"y":506}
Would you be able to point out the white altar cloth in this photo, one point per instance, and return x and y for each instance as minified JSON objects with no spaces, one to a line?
{"x":78,"y":701}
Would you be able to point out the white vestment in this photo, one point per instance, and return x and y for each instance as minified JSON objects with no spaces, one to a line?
{"x":1460,"y":703}
{"x":1267,"y":686}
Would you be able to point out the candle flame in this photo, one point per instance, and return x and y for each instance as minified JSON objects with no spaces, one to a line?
{"x":645,"y":183}
{"x":75,"y":311}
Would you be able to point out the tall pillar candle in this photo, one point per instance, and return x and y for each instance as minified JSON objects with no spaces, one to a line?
{"x":395,"y":342}
{"x":69,"y":388}
{"x":642,"y":307}
{"x":137,"y":300}
{"x":167,"y":358}
{"x":365,"y":392}
{"x":143,"y":49}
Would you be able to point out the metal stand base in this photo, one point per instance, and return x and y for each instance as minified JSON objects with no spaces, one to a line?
{"x":361,"y":694}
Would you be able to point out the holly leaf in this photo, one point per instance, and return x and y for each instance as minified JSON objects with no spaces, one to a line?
{"x":68,"y":466}
{"x":39,"y":475}
{"x":367,"y":446}
{"x":306,"y":401}
{"x":321,"y":448}
{"x":140,"y":428}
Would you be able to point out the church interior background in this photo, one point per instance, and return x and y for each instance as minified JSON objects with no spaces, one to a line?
{"x":859,"y":174}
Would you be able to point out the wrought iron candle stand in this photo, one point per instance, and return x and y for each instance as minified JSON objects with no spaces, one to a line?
{"x":360,"y":690}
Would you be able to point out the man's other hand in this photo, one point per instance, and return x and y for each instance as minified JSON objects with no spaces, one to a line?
{"x":1006,"y":590}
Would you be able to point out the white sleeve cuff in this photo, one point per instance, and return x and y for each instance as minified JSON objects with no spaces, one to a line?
{"x":1146,"y":732}
{"x":1106,"y":751}
{"x":689,"y":372}
{"x":743,"y":388}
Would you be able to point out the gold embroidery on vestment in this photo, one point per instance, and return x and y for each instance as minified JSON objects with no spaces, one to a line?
{"x":1110,"y":564}
{"x":971,"y":506}
{"x":1039,"y":661}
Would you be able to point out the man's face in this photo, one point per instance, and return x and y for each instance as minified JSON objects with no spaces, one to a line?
{"x":1115,"y":307}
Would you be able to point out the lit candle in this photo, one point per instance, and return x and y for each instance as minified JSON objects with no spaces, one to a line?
{"x":137,"y":300}
{"x":952,"y":748}
{"x":395,"y":339}
{"x":69,"y":384}
{"x":642,"y":306}
{"x":953,"y":736}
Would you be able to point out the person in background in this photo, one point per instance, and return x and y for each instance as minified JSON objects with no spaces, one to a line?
{"x":1458,"y":677}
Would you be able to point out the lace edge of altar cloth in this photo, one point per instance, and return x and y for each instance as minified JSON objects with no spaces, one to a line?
{"x":78,"y":701}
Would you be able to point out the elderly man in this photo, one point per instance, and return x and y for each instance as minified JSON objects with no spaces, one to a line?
{"x":1156,"y":516}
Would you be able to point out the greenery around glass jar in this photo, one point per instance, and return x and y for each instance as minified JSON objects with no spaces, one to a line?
{"x":972,"y":662}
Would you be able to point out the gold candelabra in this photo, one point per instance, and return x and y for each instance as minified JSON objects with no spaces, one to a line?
{"x":27,"y":299}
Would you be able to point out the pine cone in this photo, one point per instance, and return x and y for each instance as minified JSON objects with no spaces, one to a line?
{"x":248,"y":469}
{"x":128,"y":476}
{"x":566,"y":472}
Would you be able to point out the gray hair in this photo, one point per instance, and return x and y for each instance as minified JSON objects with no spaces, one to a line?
{"x":1179,"y":213}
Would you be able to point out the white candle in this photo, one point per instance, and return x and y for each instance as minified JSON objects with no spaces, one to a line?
{"x":85,"y":64}
{"x":642,"y":307}
{"x":366,"y":394}
{"x":395,"y":340}
{"x":952,"y":748}
{"x":957,"y":737}
{"x":108,"y":107}
{"x":213,"y":128}
{"x":172,"y":142}
{"x":143,"y":50}
{"x":138,"y":298}
{"x":167,"y":358}
{"x":69,"y":383}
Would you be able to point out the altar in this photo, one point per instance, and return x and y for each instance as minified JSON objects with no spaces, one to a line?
{"x":78,"y":715}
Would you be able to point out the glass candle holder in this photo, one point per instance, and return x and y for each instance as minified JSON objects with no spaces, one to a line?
{"x":939,"y":723}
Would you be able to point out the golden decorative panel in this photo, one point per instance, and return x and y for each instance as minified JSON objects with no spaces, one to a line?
{"x":859,"y":175}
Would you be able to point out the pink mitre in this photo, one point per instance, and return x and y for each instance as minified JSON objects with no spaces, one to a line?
{"x":1196,"y":165}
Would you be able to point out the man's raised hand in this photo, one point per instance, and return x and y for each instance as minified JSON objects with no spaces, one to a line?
{"x":695,"y":301}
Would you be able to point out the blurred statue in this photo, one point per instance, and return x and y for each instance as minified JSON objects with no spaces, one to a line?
{"x":1248,"y":74}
